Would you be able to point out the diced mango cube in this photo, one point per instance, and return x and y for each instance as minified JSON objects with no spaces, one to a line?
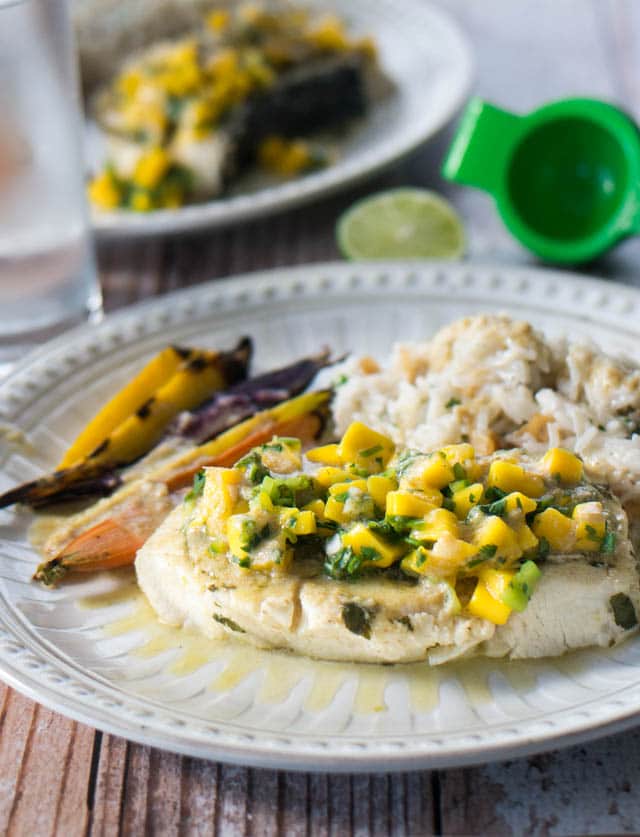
{"x":459,"y":454}
{"x":151,"y":168}
{"x":104,"y":191}
{"x":264,"y":501}
{"x":517,"y":501}
{"x":507,"y":476}
{"x":141,"y":201}
{"x":378,"y":486}
{"x":375,"y":551}
{"x":449,"y":554}
{"x":327,"y":476}
{"x":237,"y":535}
{"x":435,"y":471}
{"x":526,"y":539}
{"x":334,"y":510}
{"x":343,"y":487}
{"x":562,"y":466}
{"x":436,"y":523}
{"x":297,"y":521}
{"x":466,"y":498}
{"x":218,"y":20}
{"x":315,"y":506}
{"x":417,"y":561}
{"x":219,"y":497}
{"x":325,"y":455}
{"x":591,"y":526}
{"x":495,"y":536}
{"x":485,"y":602}
{"x":365,"y":447}
{"x":407,"y":504}
{"x":558,"y":530}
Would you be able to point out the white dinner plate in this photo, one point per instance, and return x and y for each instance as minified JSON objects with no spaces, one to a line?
{"x":92,"y":650}
{"x":428,"y":60}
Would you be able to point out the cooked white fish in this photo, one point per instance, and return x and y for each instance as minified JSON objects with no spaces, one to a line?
{"x":588,"y":595}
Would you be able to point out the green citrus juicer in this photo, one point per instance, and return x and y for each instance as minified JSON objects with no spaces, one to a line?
{"x":565,"y":177}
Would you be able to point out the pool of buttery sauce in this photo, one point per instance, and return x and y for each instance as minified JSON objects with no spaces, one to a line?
{"x":283,"y":670}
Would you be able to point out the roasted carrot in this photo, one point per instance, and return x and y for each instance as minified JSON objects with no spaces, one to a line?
{"x":111,"y":543}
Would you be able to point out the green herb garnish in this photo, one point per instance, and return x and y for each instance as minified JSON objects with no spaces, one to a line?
{"x":198,"y":486}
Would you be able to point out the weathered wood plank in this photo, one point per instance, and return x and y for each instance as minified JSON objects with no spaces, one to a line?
{"x":109,"y":787}
{"x":51,"y":790}
{"x":72,"y":814}
{"x":233,"y":801}
{"x":16,"y":721}
{"x":135,"y":797}
{"x":199,"y":798}
{"x":263,"y":810}
{"x":295,"y":814}
{"x":421,"y":809}
{"x":582,"y":790}
{"x":164,"y":797}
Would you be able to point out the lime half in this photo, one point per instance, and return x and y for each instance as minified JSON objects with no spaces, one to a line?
{"x":401,"y":224}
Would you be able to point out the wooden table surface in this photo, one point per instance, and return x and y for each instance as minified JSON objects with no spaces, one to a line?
{"x":60,"y":777}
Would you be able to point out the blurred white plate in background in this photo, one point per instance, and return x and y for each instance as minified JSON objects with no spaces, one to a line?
{"x":429,"y":61}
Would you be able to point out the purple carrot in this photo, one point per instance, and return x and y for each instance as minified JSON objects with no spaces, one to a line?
{"x":242,"y":400}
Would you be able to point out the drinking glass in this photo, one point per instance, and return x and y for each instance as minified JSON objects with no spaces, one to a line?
{"x":47,"y":270}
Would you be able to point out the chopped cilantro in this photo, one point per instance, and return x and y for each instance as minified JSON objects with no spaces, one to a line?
{"x":624,"y":612}
{"x":459,"y":472}
{"x":452,"y":402}
{"x":370,"y":451}
{"x":609,"y":543}
{"x":497,"y":508}
{"x":493,"y":493}
{"x":406,"y":621}
{"x":357,"y":619}
{"x":254,"y":470}
{"x":343,"y":564}
{"x":368,"y":553}
{"x":401,"y":523}
{"x":544,"y":548}
{"x":229,"y":623}
{"x":592,"y":535}
{"x":485,"y":553}
{"x":198,"y":486}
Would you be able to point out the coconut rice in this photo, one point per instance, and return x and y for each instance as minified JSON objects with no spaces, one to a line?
{"x":499,"y":383}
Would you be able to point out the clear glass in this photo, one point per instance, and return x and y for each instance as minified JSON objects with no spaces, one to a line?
{"x":48,"y":277}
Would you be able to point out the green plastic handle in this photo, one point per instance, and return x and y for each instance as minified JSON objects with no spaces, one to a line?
{"x":484,"y":140}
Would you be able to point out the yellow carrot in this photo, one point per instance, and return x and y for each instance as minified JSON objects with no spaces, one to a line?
{"x":195,"y":381}
{"x":130,"y":398}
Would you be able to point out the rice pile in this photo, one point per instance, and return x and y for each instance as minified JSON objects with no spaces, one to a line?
{"x":498,"y":383}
